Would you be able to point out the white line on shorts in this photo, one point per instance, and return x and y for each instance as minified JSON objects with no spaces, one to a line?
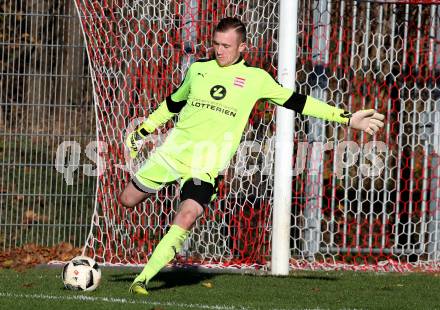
{"x":123,"y":301}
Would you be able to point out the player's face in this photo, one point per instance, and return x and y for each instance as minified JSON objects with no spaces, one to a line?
{"x":227,"y":47}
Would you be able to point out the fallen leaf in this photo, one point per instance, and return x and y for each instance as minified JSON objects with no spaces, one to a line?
{"x":66,"y":257}
{"x":64,"y":247}
{"x":7,"y":263}
{"x":30,"y":247}
{"x":31,"y":254}
{"x":27,"y":259}
{"x":207,"y":284}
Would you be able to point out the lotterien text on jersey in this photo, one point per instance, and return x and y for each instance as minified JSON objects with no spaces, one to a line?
{"x":213,"y":107}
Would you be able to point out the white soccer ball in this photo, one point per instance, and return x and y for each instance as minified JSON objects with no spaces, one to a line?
{"x":81,"y":274}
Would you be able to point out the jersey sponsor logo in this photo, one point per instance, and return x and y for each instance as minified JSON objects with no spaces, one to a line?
{"x":239,"y":81}
{"x":214,"y":107}
{"x":218,"y":92}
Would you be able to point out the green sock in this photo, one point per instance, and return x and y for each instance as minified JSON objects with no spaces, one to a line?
{"x":165,"y":251}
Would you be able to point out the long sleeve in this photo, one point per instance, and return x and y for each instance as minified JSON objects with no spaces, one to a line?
{"x":306,"y":105}
{"x":167,"y":108}
{"x":317,"y":108}
{"x":160,"y":116}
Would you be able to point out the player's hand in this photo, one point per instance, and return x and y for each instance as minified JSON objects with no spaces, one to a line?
{"x":367,"y":120}
{"x":134,"y":143}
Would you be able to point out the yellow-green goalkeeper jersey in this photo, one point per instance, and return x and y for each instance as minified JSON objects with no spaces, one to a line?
{"x":214,"y":104}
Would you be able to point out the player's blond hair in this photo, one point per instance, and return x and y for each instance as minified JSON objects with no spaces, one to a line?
{"x":228,"y":23}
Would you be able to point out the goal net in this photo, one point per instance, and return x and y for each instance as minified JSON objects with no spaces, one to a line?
{"x":358,"y":202}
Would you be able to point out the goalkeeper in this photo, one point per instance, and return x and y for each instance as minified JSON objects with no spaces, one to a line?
{"x":214,"y":102}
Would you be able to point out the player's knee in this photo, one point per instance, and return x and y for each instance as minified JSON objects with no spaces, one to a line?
{"x":189,"y":211}
{"x":192,"y":209}
{"x":133,"y":195}
{"x":190,"y":216}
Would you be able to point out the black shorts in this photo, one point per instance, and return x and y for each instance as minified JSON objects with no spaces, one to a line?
{"x":200,"y":191}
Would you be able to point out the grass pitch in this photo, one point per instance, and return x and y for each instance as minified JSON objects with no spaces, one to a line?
{"x":41,"y":288}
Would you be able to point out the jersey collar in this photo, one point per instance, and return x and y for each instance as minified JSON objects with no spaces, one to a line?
{"x":239,"y":61}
